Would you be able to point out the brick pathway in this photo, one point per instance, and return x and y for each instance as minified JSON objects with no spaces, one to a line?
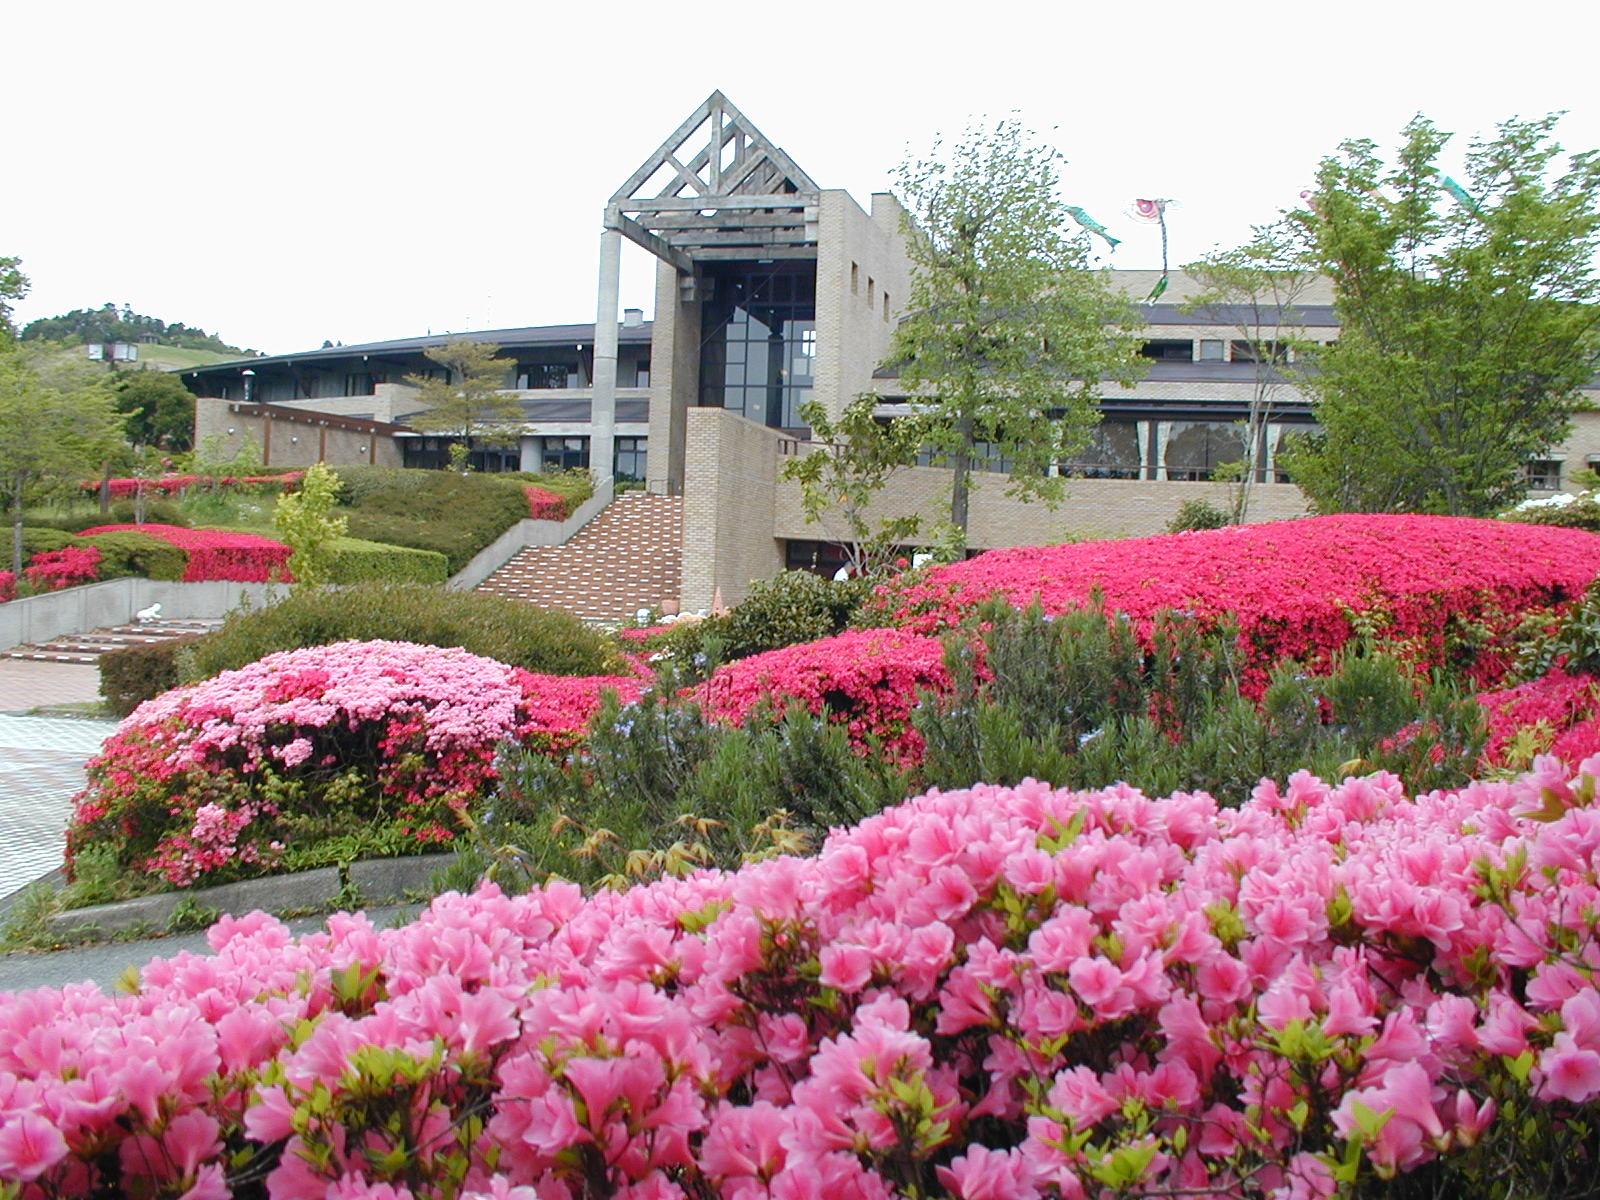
{"x":629,"y":557}
{"x":25,"y":685}
{"x":41,"y":767}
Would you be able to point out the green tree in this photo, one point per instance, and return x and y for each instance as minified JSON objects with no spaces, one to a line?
{"x":308,"y":524}
{"x":160,"y":410}
{"x":1009,"y":334}
{"x":1254,"y":290}
{"x":1468,"y":318}
{"x":58,"y":424}
{"x":13,"y":286}
{"x":467,"y":401}
{"x":855,"y":458}
{"x":108,"y":323}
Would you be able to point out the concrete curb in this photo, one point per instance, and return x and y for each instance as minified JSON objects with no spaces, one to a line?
{"x":378,"y":880}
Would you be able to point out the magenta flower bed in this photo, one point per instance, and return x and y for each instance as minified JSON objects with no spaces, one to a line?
{"x":8,"y":586}
{"x":172,"y":483}
{"x":1564,"y":709}
{"x":51,"y":570}
{"x":217,"y":554}
{"x":409,"y":731}
{"x":866,"y":680}
{"x":545,"y":505}
{"x":990,"y":993}
{"x":1291,"y":584}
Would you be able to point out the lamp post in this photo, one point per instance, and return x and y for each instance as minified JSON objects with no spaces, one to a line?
{"x":249,"y":385}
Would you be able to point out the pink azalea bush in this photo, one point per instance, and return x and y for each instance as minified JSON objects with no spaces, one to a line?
{"x":216,"y":775}
{"x":217,"y":553}
{"x":997,"y":993}
{"x":8,"y":586}
{"x":51,"y":570}
{"x":1444,"y":590}
{"x":866,"y":680}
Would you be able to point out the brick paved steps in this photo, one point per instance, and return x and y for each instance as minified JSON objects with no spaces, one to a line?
{"x":88,"y":647}
{"x":627,"y":558}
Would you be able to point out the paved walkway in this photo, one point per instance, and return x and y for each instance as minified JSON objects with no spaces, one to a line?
{"x":41,"y":764}
{"x":41,"y":768}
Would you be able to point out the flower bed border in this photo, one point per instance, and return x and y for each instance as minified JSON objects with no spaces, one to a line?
{"x":379,"y":881}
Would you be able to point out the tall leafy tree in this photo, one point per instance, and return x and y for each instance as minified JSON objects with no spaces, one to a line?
{"x":1009,"y":334}
{"x":160,"y":410}
{"x":465,"y":401}
{"x":13,"y":286}
{"x":58,"y":423}
{"x":1468,"y":313}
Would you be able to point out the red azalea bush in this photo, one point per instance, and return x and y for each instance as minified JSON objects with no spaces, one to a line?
{"x":1558,"y":713}
{"x":1440,"y":587}
{"x":218,"y":553}
{"x":222,"y":773}
{"x":990,"y":994}
{"x":545,"y":505}
{"x":866,"y":680}
{"x":51,"y":570}
{"x":8,"y":586}
{"x":174,"y":484}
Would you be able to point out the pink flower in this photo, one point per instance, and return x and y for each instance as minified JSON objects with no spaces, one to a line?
{"x":29,"y":1146}
{"x":984,"y":1174}
{"x":1570,"y":1072}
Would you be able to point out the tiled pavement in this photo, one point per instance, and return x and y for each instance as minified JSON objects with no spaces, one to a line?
{"x":41,"y":764}
{"x":629,"y":557}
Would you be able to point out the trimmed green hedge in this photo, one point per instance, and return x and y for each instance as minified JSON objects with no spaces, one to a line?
{"x":37,"y":541}
{"x":358,"y":561}
{"x":157,"y":511}
{"x":506,"y":630}
{"x":444,"y":511}
{"x":134,"y":674}
{"x":126,"y":552}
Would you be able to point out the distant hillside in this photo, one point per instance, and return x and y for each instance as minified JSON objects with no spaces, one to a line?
{"x":109,"y":323}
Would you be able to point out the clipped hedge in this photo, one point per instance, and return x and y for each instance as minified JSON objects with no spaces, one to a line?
{"x":508,"y":631}
{"x":41,"y":540}
{"x":128,"y":552}
{"x":359,"y":561}
{"x":134,"y":674}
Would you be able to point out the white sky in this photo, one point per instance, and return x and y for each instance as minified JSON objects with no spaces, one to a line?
{"x":285,"y":172}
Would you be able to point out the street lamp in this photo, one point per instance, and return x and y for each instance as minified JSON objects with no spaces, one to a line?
{"x":249,"y":384}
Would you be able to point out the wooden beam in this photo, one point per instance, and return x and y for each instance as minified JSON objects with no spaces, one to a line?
{"x":670,"y":146}
{"x":666,"y":222}
{"x":663,"y":204}
{"x":658,"y":246}
{"x":686,"y":179}
{"x":714,"y":160}
{"x":736,"y":253}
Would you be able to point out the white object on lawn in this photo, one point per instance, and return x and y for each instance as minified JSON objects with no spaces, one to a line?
{"x":148,"y":614}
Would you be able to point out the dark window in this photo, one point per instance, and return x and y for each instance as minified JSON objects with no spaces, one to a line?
{"x":1169,"y":350}
{"x":820,"y":558}
{"x":1275,"y":352}
{"x":1210,"y":350}
{"x":1112,"y":453}
{"x":1193,"y":450}
{"x":358,"y":384}
{"x":563,"y":453}
{"x":630,"y":461}
{"x":759,"y":347}
{"x":547,"y":375}
{"x":1544,"y":474}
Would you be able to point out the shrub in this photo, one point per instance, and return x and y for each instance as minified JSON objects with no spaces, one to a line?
{"x":993,"y":992}
{"x":507,"y":631}
{"x":864,"y":680}
{"x":8,"y":586}
{"x":307,"y":523}
{"x":216,"y":554}
{"x":133,"y":674}
{"x":38,"y":540}
{"x":70,"y":566}
{"x":456,"y":515}
{"x":1444,"y":591}
{"x":545,"y":505}
{"x":1582,"y":512}
{"x":1197,"y":514}
{"x":304,"y":746}
{"x":130,"y":552}
{"x":789,"y":608}
{"x":357,"y":561}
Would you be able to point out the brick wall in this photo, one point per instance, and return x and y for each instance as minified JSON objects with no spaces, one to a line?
{"x":296,"y":441}
{"x":674,"y":379}
{"x":730,"y":475}
{"x":860,"y":259}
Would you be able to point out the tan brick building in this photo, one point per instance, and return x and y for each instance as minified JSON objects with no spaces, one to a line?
{"x":772,"y":291}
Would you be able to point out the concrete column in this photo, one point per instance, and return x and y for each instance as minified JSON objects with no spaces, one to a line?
{"x":603,"y":418}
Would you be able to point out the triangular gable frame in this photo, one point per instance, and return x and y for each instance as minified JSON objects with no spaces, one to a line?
{"x":759,"y":204}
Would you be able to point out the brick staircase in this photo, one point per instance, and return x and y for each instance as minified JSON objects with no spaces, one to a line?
{"x":88,"y":647}
{"x":627,"y":558}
